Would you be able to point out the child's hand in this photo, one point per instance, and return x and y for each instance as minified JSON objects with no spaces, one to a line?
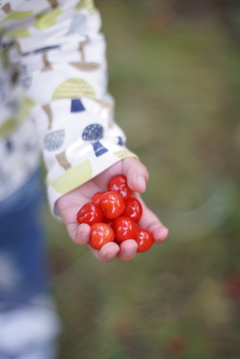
{"x":70,"y":203}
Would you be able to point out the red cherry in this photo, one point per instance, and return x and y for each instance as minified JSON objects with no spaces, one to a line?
{"x":90,"y":213}
{"x":96,"y":197}
{"x":124,"y":228}
{"x":119,"y":184}
{"x":112,"y":204}
{"x":144,"y":239}
{"x":100,"y":234}
{"x":108,"y":221}
{"x":133,"y":209}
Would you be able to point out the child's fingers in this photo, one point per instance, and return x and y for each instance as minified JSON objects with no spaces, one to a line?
{"x":128,"y":250}
{"x":110,"y":251}
{"x":152,"y":223}
{"x":107,"y":253}
{"x":136,"y":173}
{"x":79,"y":233}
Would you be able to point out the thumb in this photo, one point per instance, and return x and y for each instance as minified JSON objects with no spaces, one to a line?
{"x":136,"y":173}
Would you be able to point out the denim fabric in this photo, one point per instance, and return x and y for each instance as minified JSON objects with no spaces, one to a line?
{"x":22,"y":245}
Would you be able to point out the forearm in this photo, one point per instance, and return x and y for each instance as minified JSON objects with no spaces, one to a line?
{"x":62,"y":54}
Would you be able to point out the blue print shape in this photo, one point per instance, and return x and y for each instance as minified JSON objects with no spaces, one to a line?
{"x":92,"y":132}
{"x":78,"y":24}
{"x":120,"y":141}
{"x":98,"y":148}
{"x":54,"y":140}
{"x":77,"y":106}
{"x":47,"y":48}
{"x":29,"y":147}
{"x":9,"y":145}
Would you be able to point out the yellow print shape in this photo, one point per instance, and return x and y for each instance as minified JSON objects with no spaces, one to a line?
{"x":124,"y":154}
{"x":17,"y":16}
{"x":8,"y":126}
{"x":74,"y":88}
{"x":86,"y":5}
{"x":47,"y":20}
{"x":73,"y":178}
{"x":18,"y":34}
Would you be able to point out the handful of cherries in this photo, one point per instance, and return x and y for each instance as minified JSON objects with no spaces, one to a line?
{"x":113,"y":216}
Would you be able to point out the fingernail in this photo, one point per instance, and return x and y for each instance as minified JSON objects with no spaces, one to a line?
{"x":142,"y":182}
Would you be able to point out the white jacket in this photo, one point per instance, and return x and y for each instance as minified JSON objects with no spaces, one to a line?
{"x":56,"y":48}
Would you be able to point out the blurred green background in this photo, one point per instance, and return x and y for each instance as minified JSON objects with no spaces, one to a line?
{"x":174,"y":70}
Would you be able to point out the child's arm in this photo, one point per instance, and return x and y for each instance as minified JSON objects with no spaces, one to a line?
{"x":69,"y":204}
{"x":62,"y":56}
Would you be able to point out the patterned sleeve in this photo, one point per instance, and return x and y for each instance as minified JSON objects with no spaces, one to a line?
{"x":61,"y":54}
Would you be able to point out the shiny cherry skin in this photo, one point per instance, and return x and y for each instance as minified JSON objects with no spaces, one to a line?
{"x":96,"y":197}
{"x":112,"y":204}
{"x":119,"y":184}
{"x":100,"y":234}
{"x":144,"y":240}
{"x":133,"y":209}
{"x":124,"y":228}
{"x":90,"y":213}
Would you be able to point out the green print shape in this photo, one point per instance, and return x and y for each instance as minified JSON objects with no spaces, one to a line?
{"x":4,"y":57}
{"x":18,"y":34}
{"x":86,"y":5}
{"x":8,"y":126}
{"x":26,"y":107}
{"x":47,"y":20}
{"x":73,"y":178}
{"x":17,"y":16}
{"x":74,"y":88}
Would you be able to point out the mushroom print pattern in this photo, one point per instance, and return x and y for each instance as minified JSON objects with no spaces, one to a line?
{"x":66,"y":108}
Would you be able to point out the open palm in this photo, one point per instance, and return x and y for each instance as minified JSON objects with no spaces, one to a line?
{"x":70,"y":203}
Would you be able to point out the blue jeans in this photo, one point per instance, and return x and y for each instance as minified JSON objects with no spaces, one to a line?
{"x":22,"y":244}
{"x":25,"y":306}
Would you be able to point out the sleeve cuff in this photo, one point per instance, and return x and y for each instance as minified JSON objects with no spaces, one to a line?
{"x":105,"y":154}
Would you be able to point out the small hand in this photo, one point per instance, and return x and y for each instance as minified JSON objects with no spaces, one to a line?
{"x":69,"y":204}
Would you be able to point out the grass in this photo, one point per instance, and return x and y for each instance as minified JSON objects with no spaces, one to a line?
{"x":176,"y":85}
